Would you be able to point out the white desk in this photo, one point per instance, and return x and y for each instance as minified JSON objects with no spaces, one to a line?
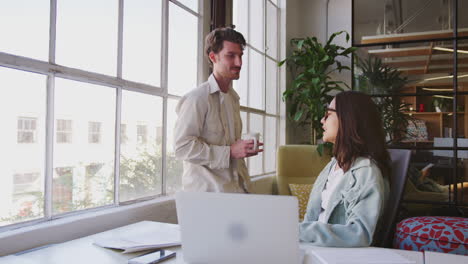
{"x":437,"y":258}
{"x":82,"y":250}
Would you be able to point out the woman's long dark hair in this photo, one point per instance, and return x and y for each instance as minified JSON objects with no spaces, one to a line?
{"x":360,"y":132}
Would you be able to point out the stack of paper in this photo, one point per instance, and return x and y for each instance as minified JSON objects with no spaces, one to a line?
{"x":152,"y":239}
{"x":357,"y":256}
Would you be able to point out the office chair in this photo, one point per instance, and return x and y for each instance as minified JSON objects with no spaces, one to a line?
{"x":400,"y":162}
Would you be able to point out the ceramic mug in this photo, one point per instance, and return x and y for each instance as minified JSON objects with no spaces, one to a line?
{"x":252,"y":135}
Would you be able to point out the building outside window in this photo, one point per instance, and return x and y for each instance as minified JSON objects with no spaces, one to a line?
{"x":62,"y":193}
{"x":26,"y":182}
{"x":142,"y":133}
{"x":123,"y":134}
{"x":27,"y":131}
{"x":64,"y":131}
{"x":94,"y":132}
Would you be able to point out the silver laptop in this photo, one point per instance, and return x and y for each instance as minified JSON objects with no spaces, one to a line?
{"x":238,"y":228}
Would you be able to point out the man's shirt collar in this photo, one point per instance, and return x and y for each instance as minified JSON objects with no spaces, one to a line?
{"x":214,"y":87}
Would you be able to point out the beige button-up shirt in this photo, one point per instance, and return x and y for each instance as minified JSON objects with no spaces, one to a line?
{"x":202,"y":140}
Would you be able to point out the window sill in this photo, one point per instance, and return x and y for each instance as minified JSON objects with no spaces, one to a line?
{"x":161,"y":209}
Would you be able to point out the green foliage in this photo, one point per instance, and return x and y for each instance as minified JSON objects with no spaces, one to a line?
{"x":394,"y":118}
{"x":380,"y":78}
{"x":444,"y":104}
{"x":142,"y":174}
{"x":383,"y":79}
{"x":30,"y":210}
{"x":311,"y":64}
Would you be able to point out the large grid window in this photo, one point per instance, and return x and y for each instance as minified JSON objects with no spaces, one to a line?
{"x":258,"y":85}
{"x":96,"y":97}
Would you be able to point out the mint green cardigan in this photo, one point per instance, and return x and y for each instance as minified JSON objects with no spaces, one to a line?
{"x":355,"y":207}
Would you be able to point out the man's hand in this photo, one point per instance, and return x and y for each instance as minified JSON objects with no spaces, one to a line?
{"x":244,"y":148}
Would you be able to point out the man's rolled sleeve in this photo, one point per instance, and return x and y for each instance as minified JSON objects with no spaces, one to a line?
{"x":220,"y":157}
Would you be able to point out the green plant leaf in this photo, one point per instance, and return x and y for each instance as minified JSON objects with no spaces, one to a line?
{"x":298,"y":115}
{"x":311,"y":63}
{"x":300,"y":43}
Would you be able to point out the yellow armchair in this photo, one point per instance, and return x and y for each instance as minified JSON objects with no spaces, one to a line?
{"x":300,"y":164}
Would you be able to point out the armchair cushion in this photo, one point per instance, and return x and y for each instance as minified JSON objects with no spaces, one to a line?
{"x":302,"y":192}
{"x":299,"y":164}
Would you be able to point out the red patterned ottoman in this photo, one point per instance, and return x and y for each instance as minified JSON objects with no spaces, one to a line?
{"x":433,"y":233}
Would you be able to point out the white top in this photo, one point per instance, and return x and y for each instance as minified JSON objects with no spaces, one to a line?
{"x":227,"y":100}
{"x":334,"y":178}
{"x":208,"y":123}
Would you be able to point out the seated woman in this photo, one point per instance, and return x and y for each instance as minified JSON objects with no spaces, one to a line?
{"x":349,"y":195}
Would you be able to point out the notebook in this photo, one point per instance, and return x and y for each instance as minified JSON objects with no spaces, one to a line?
{"x":238,"y":228}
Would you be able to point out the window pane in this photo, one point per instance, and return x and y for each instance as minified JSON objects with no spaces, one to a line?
{"x":174,"y":167}
{"x":270,"y":144}
{"x":240,"y":17}
{"x":140,"y":156}
{"x":192,"y":4}
{"x":256,"y":73}
{"x":83,"y":171}
{"x":22,"y":169}
{"x":241,"y":85}
{"x":272,"y":31}
{"x":183,"y":50}
{"x":142,"y":41}
{"x":244,"y":122}
{"x":31,"y":25}
{"x":271,"y":86}
{"x":87,"y":35}
{"x":256,"y":25}
{"x":255,"y":162}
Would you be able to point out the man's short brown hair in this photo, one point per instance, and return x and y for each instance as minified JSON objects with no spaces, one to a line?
{"x":214,"y":40}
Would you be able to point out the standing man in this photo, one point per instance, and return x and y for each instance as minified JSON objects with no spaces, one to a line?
{"x":209,"y":126}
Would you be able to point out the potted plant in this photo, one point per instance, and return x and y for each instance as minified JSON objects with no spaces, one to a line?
{"x":441,"y":104}
{"x":311,"y":64}
{"x":377,"y":78}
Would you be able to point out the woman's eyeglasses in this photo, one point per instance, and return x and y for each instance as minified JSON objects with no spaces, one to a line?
{"x":327,"y":113}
